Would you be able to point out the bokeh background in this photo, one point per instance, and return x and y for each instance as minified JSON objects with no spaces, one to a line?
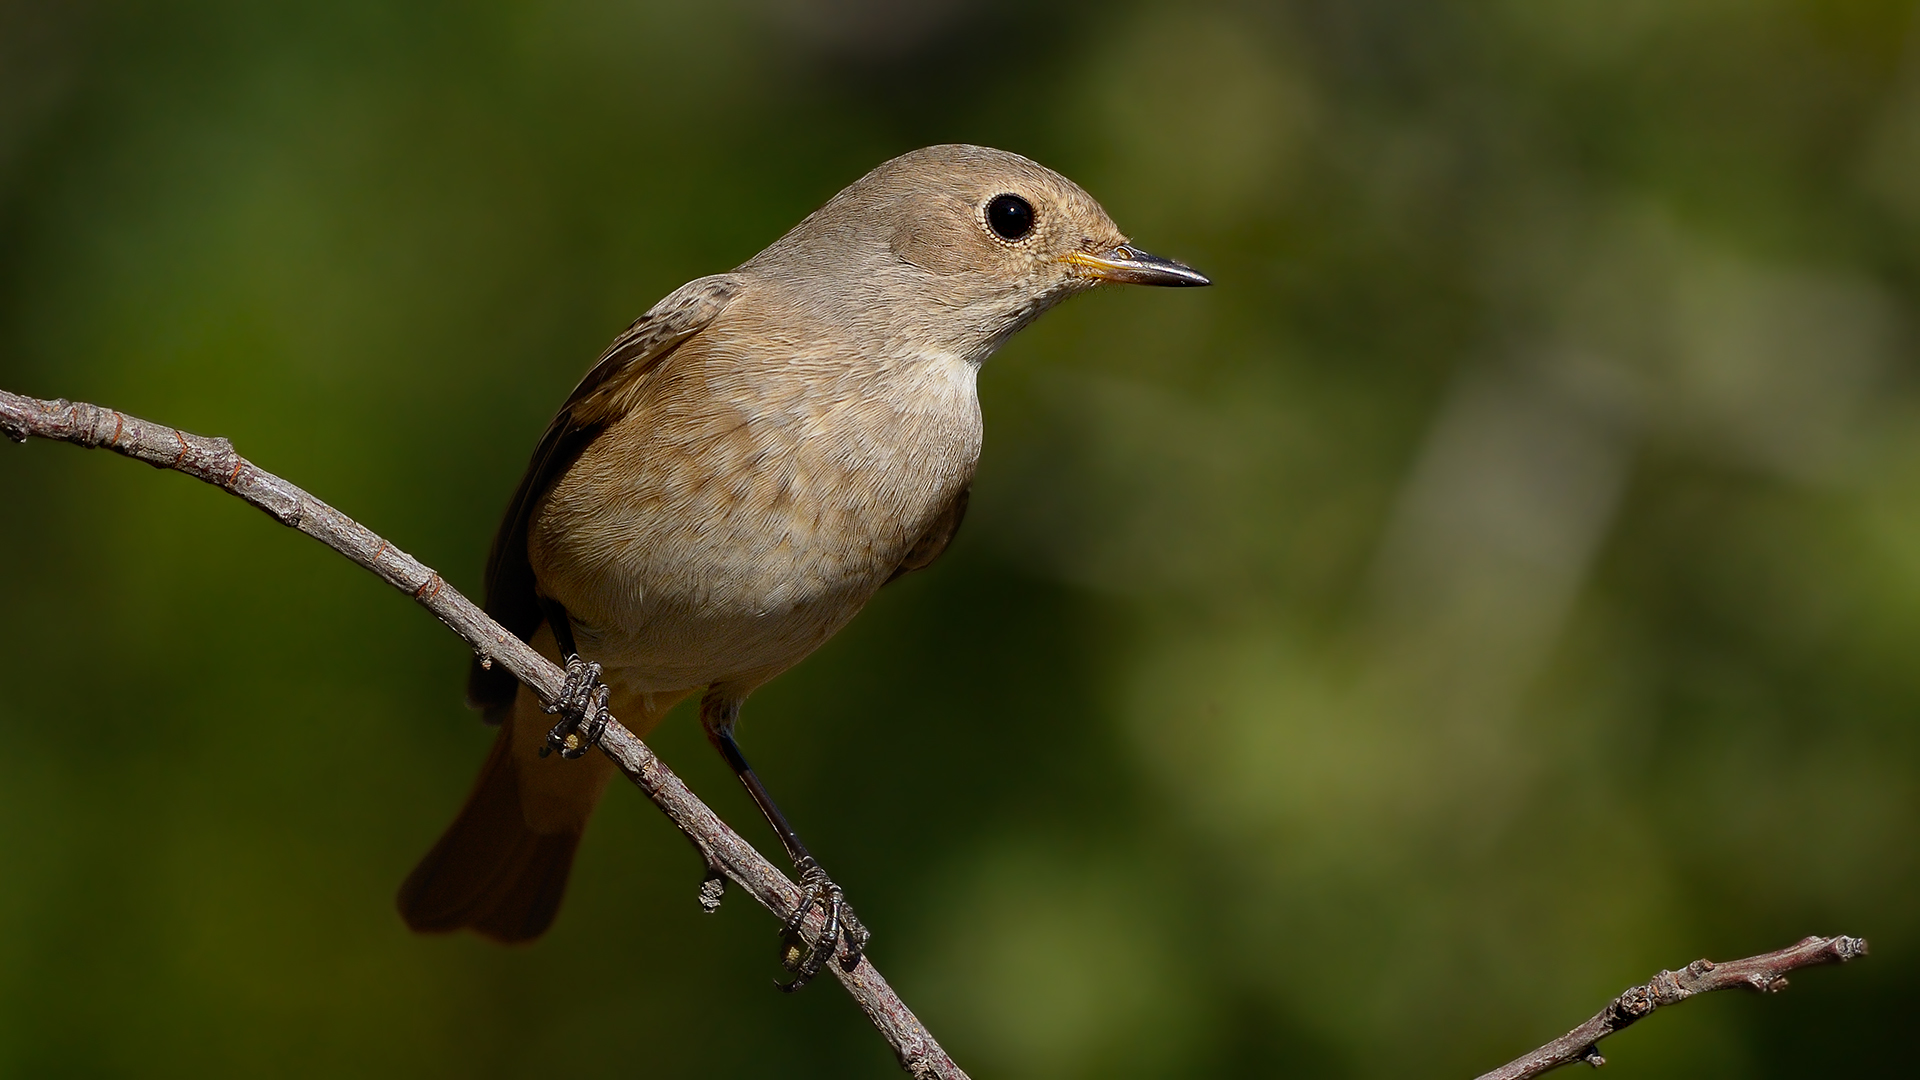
{"x":1504,"y":584}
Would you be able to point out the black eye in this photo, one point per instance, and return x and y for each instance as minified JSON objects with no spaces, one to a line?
{"x":1011,"y":216}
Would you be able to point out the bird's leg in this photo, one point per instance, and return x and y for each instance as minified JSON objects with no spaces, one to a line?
{"x":583,"y":697}
{"x":717,"y":716}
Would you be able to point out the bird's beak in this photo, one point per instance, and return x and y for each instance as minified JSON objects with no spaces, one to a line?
{"x":1128,"y":265}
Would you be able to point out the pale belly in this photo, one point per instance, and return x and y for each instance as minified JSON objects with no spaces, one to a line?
{"x":722,"y":544}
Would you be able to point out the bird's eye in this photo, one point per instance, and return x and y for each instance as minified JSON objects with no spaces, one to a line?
{"x":1011,"y":216}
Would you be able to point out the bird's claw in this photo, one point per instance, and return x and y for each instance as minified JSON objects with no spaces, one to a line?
{"x":840,"y":928}
{"x":582,"y":703}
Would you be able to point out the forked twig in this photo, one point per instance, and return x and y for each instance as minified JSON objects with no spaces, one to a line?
{"x":214,"y":461}
{"x":1766,"y":973}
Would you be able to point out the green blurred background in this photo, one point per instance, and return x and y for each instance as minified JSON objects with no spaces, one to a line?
{"x":1504,"y":584}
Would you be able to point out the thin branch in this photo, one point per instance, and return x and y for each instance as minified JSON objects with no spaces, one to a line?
{"x":1766,"y":973}
{"x":214,"y":461}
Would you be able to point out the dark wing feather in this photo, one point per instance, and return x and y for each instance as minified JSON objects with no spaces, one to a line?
{"x":933,"y":543}
{"x":604,"y":396}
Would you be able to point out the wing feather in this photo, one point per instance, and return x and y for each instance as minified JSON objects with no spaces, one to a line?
{"x":933,"y":543}
{"x":606,"y":394}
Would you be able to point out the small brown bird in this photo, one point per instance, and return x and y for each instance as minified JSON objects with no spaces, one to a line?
{"x":746,"y":466}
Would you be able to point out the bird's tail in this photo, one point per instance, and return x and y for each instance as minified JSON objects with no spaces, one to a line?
{"x":501,"y":867}
{"x":493,"y":870}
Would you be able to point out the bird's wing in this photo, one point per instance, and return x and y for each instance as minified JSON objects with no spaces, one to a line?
{"x":607,"y":393}
{"x":933,"y":543}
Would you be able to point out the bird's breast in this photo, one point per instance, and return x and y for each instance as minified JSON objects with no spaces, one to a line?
{"x":752,"y":505}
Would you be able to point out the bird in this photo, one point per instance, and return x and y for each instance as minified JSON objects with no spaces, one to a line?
{"x":745,"y":467}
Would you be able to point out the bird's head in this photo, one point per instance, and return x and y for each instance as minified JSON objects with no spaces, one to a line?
{"x":963,"y":242}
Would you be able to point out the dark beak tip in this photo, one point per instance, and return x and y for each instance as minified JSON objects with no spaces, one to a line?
{"x":1175,"y":275}
{"x":1162,"y":271}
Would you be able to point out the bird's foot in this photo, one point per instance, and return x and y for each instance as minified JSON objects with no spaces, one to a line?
{"x":582,"y":707}
{"x":840,"y":928}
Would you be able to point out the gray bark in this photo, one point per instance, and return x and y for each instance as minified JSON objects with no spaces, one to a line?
{"x":214,"y":461}
{"x":1766,"y":973}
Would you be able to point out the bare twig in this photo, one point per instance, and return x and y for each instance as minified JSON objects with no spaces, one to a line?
{"x":1766,"y":973}
{"x":214,"y":461}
